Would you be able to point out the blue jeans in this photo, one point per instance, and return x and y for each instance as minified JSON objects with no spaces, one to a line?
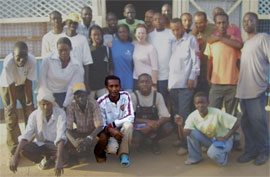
{"x":162,"y":87}
{"x":196,"y":139}
{"x":254,"y":125}
{"x":181,"y":99}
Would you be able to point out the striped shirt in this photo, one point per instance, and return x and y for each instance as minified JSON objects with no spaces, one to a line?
{"x":118,"y":113}
{"x":86,"y":121}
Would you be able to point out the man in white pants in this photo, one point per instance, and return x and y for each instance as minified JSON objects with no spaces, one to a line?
{"x":117,"y":111}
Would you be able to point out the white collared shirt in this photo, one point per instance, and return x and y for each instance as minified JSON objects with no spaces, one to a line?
{"x":53,"y":131}
{"x":80,"y":49}
{"x":118,"y":113}
{"x":162,"y":41}
{"x":184,"y":63}
{"x":57,"y":79}
{"x":12,"y":73}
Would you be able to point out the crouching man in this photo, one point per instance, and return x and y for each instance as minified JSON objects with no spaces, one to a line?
{"x":84,"y":112}
{"x":117,"y":111}
{"x":152,"y":120}
{"x":48,"y":124}
{"x":209,"y":127}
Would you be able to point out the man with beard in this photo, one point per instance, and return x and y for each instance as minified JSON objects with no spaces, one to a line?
{"x":48,"y":125}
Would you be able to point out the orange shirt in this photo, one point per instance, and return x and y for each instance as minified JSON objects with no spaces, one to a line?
{"x":225,"y":58}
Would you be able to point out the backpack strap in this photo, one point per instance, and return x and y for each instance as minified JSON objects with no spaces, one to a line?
{"x":154,"y":99}
{"x":137,"y":98}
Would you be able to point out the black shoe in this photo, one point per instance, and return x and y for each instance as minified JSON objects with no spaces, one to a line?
{"x":245,"y":158}
{"x":237,"y":146}
{"x":261,"y":159}
{"x":156,"y":149}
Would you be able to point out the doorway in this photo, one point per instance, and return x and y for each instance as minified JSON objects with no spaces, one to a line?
{"x":117,"y":6}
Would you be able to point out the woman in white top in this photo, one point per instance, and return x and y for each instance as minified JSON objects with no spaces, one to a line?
{"x":144,"y":56}
{"x":59,"y":72}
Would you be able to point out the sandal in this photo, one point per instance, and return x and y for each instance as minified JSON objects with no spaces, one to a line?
{"x":45,"y":164}
{"x":124,"y":161}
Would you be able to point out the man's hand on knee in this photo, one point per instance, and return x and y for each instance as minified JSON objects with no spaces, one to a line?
{"x":116,"y":134}
{"x":145,"y":130}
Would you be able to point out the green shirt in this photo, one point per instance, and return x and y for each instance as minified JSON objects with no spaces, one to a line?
{"x":131,"y":26}
{"x":215,"y":123}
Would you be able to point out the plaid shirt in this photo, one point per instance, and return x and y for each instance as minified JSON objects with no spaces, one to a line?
{"x":86,"y":121}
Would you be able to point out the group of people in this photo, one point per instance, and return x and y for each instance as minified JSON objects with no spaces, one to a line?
{"x":147,"y":66}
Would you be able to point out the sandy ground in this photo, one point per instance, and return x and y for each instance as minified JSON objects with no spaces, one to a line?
{"x":142,"y":164}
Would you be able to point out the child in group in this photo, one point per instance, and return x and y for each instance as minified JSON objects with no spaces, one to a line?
{"x":122,"y":54}
{"x":102,"y":62}
{"x":209,"y":127}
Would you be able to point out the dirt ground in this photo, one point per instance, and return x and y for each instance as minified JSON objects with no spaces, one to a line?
{"x":142,"y":164}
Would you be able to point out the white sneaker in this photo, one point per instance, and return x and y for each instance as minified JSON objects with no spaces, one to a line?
{"x":191,"y":163}
{"x":182,"y":151}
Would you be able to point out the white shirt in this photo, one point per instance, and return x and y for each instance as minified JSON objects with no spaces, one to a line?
{"x":184,"y":63}
{"x":162,"y":41}
{"x":49,"y":42}
{"x":53,"y":131}
{"x":118,"y":113}
{"x":80,"y":48}
{"x":57,"y":79}
{"x":145,"y":59}
{"x":12,"y":73}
